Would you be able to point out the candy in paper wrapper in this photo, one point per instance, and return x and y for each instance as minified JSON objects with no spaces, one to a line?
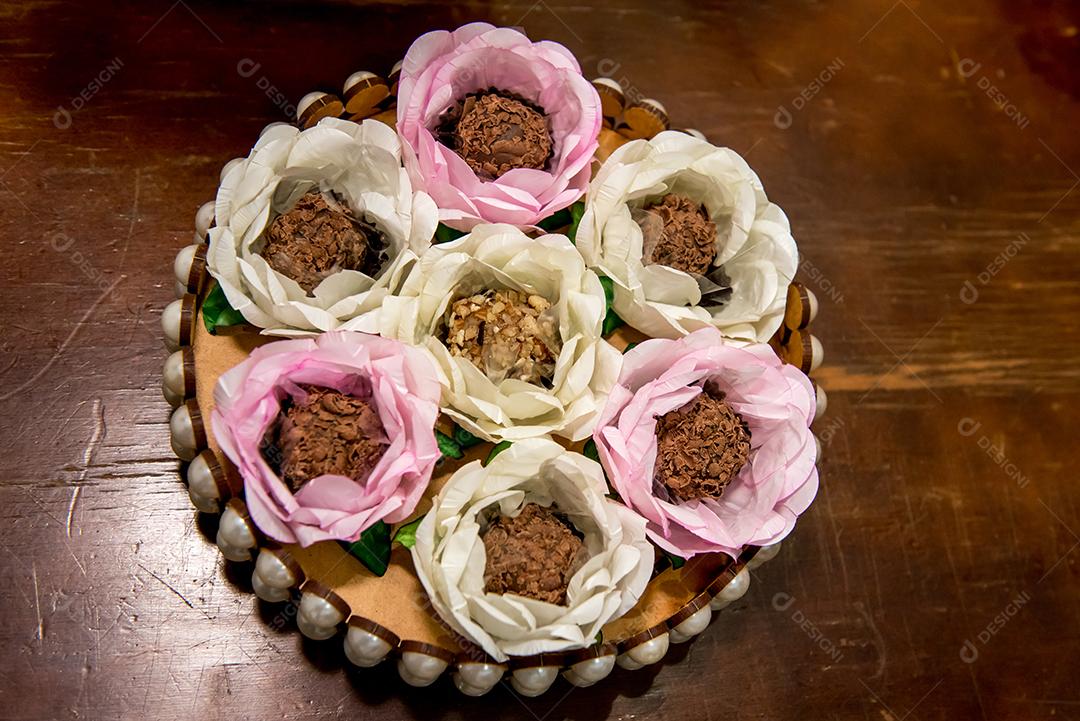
{"x":744,"y":292}
{"x":450,"y":557}
{"x":499,"y":406}
{"x":442,"y":69}
{"x":356,"y":165}
{"x":399,"y":381}
{"x":760,"y":504}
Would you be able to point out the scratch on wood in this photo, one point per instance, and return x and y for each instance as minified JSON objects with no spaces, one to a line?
{"x":37,"y":606}
{"x":63,"y":346}
{"x":167,"y":585}
{"x":88,"y":455}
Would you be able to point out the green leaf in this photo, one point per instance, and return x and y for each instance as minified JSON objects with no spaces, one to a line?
{"x":373,"y":548}
{"x":629,"y":347}
{"x":676,"y":561}
{"x":448,"y":446}
{"x":612,"y":321}
{"x":599,"y":637}
{"x":465,"y":439}
{"x":557,"y":220}
{"x":217,"y":312}
{"x":406,"y":535}
{"x":499,"y":448}
{"x":589,"y":450}
{"x":611,"y":318}
{"x":576,"y":211}
{"x":444,"y":234}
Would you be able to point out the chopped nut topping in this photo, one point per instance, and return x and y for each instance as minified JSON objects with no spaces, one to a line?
{"x":314,"y":240}
{"x":505,"y":333}
{"x":687,"y":239}
{"x":533,"y":554}
{"x":700,"y":448}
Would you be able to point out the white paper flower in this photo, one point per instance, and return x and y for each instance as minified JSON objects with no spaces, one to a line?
{"x":450,"y":558}
{"x":502,"y":257}
{"x":360,"y":163}
{"x":754,"y":247}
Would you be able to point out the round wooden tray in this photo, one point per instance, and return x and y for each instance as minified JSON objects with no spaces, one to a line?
{"x":390,"y":615}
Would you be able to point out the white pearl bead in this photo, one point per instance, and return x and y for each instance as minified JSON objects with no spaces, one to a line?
{"x":813,"y":303}
{"x":204,"y":216}
{"x":172,"y":376}
{"x":171,"y":397}
{"x":481,"y":674}
{"x":227,"y":168}
{"x":364,"y":648}
{"x":273,"y":572}
{"x":822,"y":401}
{"x":202,"y":487}
{"x":170,"y":324}
{"x":270,"y":594}
{"x":692,"y":626}
{"x":317,"y":618}
{"x":764,"y":555}
{"x":817,"y":353}
{"x":644,"y":654}
{"x":179,"y":289}
{"x":306,"y":102}
{"x":355,"y":78}
{"x":182,"y":433}
{"x":232,"y":553}
{"x":534,"y":681}
{"x":586,"y":673}
{"x":235,"y":532}
{"x":420,"y":669}
{"x":735,"y":590}
{"x":608,"y":82}
{"x":817,"y":445}
{"x":182,"y":263}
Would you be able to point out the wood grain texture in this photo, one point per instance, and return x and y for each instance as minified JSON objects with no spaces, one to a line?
{"x":912,"y":144}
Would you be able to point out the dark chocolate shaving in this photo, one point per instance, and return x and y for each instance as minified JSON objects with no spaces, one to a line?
{"x":326,"y":432}
{"x":700,"y":448}
{"x":688,"y":239}
{"x":534,"y":554}
{"x":314,"y":240}
{"x":495,"y":132}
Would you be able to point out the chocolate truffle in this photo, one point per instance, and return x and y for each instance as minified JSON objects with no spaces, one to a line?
{"x":533,"y":554}
{"x":700,"y":447}
{"x":505,"y":333}
{"x":327,"y":432}
{"x":496,"y":132}
{"x":687,"y":241}
{"x":315,"y":240}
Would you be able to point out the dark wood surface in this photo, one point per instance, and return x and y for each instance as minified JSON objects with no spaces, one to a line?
{"x":937,"y":576}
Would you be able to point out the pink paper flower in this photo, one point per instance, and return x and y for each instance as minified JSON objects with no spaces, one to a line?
{"x":441,"y":68}
{"x":405,"y":392}
{"x":778,"y":482}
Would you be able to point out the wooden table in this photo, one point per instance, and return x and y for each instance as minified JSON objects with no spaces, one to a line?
{"x":928,"y":159}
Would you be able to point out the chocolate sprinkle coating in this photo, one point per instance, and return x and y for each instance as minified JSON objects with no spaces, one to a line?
{"x":495,"y":132}
{"x":700,"y":448}
{"x":327,"y":432}
{"x":688,"y":240}
{"x":314,"y":240}
{"x":533,"y":554}
{"x":505,"y":333}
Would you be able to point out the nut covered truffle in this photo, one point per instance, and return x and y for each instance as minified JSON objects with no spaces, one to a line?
{"x":505,"y":333}
{"x":533,"y":554}
{"x":314,"y":240}
{"x":687,"y":239}
{"x":496,"y":132}
{"x":327,"y":432}
{"x":700,"y":448}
